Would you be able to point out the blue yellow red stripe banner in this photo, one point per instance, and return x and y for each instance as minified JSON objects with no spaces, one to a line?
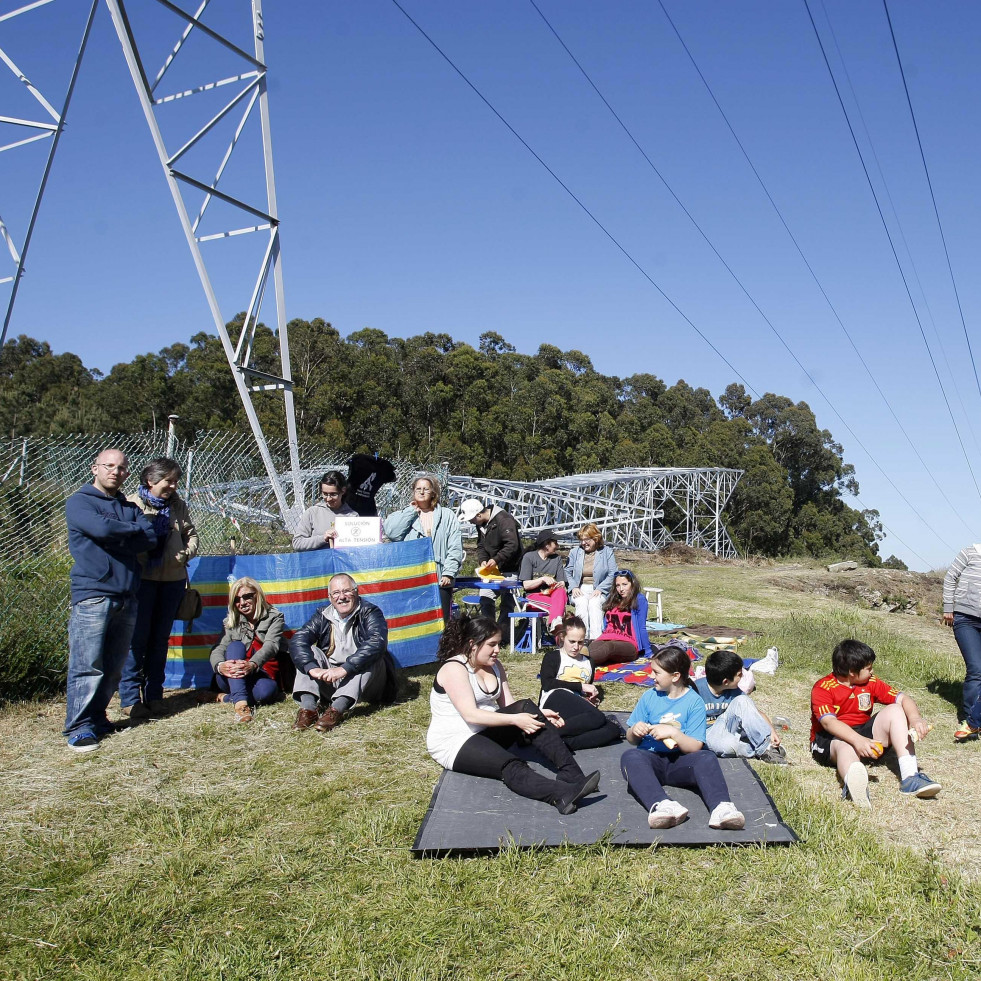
{"x":399,"y":577}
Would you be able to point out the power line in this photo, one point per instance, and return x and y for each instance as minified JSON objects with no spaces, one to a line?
{"x":807,"y":264}
{"x":933,"y":198}
{"x":572,"y":195}
{"x":899,"y":227}
{"x":892,"y":245}
{"x":733,"y":274}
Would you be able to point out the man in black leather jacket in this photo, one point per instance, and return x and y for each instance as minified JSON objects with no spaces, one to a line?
{"x":499,"y":539}
{"x":341,"y":657}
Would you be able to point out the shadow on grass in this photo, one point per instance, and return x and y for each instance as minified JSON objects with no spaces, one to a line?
{"x":949,"y":691}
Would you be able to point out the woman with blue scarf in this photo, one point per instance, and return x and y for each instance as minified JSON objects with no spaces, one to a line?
{"x":161,"y":589}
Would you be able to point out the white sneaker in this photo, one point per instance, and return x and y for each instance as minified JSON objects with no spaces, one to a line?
{"x":725,"y":817}
{"x":666,"y":814}
{"x":767,"y":664}
{"x":856,"y":787}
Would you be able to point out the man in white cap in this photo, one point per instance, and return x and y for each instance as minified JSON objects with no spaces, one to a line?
{"x":498,"y":540}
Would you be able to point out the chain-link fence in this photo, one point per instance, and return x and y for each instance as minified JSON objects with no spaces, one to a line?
{"x":224,"y":482}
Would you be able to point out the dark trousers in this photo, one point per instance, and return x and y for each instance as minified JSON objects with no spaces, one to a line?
{"x":446,"y":602}
{"x":487,"y":753}
{"x":647,"y":772}
{"x":143,"y":673}
{"x":507,"y":606}
{"x":612,"y":652}
{"x":585,"y":725}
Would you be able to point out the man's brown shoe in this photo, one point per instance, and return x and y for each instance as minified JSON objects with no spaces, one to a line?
{"x":329,"y":718}
{"x":242,"y":712}
{"x":305,"y":718}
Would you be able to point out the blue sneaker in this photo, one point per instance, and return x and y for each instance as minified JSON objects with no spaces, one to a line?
{"x":83,"y":742}
{"x":919,"y":785}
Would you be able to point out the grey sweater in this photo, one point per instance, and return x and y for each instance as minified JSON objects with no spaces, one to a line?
{"x":962,"y":584}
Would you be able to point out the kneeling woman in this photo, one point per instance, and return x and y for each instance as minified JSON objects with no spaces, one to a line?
{"x":668,"y":725}
{"x":567,"y":687}
{"x":246,"y":659}
{"x":475,"y":721}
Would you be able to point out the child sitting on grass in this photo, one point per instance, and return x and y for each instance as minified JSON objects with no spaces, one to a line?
{"x":736,"y":727}
{"x":844,"y":732}
{"x":668,"y":727}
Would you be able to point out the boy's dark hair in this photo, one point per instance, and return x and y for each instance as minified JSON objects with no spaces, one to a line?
{"x":722,"y":666}
{"x":849,"y":656}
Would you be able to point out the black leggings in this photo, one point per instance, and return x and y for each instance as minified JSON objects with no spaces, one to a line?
{"x":585,"y":725}
{"x":485,"y":754}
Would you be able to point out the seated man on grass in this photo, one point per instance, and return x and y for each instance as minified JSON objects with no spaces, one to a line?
{"x":341,"y":657}
{"x":736,"y":727}
{"x":844,"y":732}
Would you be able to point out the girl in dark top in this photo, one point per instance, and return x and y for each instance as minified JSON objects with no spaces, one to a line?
{"x":624,"y":633}
{"x":567,"y":687}
{"x":476,"y":720}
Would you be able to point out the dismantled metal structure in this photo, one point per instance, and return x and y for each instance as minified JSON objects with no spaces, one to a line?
{"x":194,"y":163}
{"x":636,"y":507}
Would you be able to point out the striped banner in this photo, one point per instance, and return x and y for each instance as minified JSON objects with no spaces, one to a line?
{"x":400,"y":578}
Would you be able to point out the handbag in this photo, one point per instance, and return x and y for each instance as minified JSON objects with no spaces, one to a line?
{"x":190,"y":606}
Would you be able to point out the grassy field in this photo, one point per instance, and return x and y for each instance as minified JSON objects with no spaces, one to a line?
{"x":194,"y":848}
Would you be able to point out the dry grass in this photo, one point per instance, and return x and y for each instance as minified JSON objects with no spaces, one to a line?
{"x":192,"y":847}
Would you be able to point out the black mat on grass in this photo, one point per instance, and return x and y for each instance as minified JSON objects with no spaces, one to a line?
{"x":471,"y":815}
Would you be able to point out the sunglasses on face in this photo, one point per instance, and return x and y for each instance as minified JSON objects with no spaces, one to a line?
{"x":244,"y":596}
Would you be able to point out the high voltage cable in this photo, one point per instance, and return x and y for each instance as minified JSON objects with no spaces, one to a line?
{"x":933,"y":198}
{"x":892,"y":244}
{"x":572,"y":195}
{"x":807,"y":265}
{"x":899,"y":227}
{"x":736,"y":279}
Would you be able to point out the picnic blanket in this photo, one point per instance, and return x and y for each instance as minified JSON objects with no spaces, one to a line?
{"x":699,"y":640}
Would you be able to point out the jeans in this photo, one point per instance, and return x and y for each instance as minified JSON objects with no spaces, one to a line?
{"x":741,"y":730}
{"x":99,"y":634}
{"x":967,"y":633}
{"x":256,"y":688}
{"x":143,"y":673}
{"x":646,"y":773}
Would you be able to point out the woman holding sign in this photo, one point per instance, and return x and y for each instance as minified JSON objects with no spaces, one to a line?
{"x":425,"y":517}
{"x":316,"y":525}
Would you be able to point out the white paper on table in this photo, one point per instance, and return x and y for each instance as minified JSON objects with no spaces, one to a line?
{"x":353,"y":531}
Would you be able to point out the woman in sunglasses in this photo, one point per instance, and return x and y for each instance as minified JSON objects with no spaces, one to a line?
{"x":246,"y":659}
{"x":624,"y":633}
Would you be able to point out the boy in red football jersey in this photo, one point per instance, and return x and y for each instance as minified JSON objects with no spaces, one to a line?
{"x":844,"y":731}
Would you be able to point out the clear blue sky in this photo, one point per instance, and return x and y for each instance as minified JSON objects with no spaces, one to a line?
{"x":407,"y":206}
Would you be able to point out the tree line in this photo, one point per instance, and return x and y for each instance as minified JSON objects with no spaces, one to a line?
{"x":489,"y":411}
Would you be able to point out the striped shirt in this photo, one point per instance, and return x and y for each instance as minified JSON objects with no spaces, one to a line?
{"x":962,"y":584}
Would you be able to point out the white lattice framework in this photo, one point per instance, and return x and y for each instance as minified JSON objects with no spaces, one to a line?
{"x":209,"y":65}
{"x":637,"y":507}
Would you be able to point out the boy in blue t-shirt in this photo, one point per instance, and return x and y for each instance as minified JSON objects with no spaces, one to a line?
{"x":736,"y":727}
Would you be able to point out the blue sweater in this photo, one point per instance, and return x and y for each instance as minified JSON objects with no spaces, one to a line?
{"x":105,"y":536}
{"x":604,"y":568}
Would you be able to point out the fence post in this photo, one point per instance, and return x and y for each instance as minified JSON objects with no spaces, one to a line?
{"x":171,"y":435}
{"x":23,"y":463}
{"x":190,"y":464}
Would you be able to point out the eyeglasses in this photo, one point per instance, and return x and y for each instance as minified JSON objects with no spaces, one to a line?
{"x":244,"y":596}
{"x":331,"y":494}
{"x":626,"y":573}
{"x":112,"y":468}
{"x":342,"y":592}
